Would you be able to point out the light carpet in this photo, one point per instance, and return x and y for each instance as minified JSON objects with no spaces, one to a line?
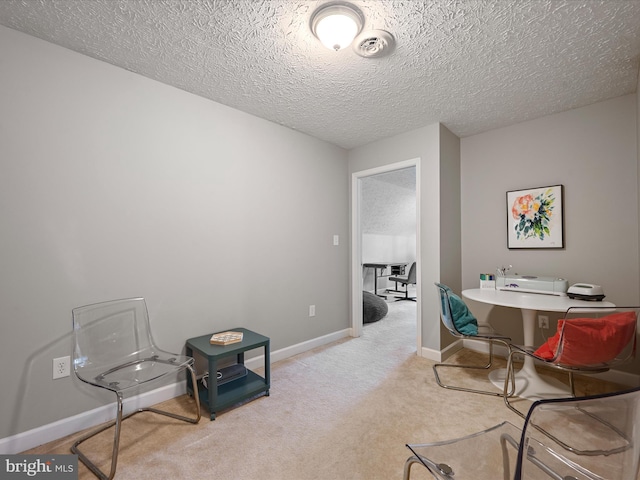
{"x":343,"y":411}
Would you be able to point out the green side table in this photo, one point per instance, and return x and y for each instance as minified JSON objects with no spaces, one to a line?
{"x":219,"y":397}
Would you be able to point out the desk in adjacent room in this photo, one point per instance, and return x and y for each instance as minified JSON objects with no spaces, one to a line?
{"x":395,"y":269}
{"x":529,"y":384}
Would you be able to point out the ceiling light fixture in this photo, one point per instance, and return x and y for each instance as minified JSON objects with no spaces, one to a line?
{"x":336,"y":24}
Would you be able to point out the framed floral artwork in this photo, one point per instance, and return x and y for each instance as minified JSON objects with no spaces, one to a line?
{"x":535,"y":218}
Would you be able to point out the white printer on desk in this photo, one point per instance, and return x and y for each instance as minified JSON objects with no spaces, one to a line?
{"x":533,"y":284}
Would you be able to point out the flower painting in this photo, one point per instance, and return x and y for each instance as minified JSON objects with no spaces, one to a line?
{"x":535,"y":218}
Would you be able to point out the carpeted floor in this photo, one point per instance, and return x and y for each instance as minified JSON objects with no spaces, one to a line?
{"x":343,"y":411}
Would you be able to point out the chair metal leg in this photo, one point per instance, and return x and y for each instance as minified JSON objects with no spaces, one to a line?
{"x":405,"y":292}
{"x":409,"y":463}
{"x":510,"y":374}
{"x":118,"y":425}
{"x":116,"y":443}
{"x":572,"y":384}
{"x":476,"y":367}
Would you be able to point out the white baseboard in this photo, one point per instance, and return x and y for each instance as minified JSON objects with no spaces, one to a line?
{"x":298,"y":348}
{"x":439,"y":356}
{"x":483,"y":347}
{"x":91,"y":418}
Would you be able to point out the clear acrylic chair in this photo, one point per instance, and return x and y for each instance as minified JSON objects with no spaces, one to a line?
{"x":588,"y":340}
{"x":588,"y":438}
{"x":114,"y":350}
{"x":485,"y":334}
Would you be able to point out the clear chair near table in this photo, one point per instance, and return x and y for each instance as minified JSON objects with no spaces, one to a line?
{"x":588,"y":438}
{"x":588,"y":340}
{"x":450,"y":307}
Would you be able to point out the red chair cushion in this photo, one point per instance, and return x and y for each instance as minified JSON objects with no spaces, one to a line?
{"x":590,"y":341}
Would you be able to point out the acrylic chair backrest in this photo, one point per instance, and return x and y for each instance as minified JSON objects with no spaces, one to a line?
{"x":445,"y":309}
{"x":594,"y":437}
{"x":109,"y":333}
{"x":596,"y":337}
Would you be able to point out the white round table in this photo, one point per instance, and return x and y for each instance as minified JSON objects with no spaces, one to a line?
{"x":530,"y":384}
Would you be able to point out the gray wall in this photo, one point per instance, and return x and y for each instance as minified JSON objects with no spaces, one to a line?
{"x":450,"y":224}
{"x":113,"y":185}
{"x":592,"y":151}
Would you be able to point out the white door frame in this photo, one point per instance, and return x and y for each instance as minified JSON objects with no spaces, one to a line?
{"x":356,"y":246}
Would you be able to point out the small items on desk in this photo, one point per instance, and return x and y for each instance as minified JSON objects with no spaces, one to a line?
{"x":586,"y":291}
{"x":487,"y":280}
{"x":225,"y":338}
{"x":533,"y":284}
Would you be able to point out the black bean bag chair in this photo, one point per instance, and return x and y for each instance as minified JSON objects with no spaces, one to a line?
{"x":373,"y":307}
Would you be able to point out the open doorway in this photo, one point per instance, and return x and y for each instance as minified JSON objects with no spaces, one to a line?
{"x":385,"y":232}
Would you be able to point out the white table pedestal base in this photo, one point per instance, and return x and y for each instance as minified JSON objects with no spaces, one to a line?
{"x":529,"y":384}
{"x":532,"y":386}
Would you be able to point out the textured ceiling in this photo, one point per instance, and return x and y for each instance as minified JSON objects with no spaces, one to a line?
{"x":472,"y":65}
{"x":389,"y":204}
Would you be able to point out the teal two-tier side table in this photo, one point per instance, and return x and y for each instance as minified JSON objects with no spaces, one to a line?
{"x":219,"y":397}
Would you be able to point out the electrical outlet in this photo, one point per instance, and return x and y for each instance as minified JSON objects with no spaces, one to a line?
{"x":61,"y":367}
{"x":543,"y":321}
{"x":312,"y":310}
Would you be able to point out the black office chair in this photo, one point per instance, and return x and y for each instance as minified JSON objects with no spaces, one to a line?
{"x":410,"y":279}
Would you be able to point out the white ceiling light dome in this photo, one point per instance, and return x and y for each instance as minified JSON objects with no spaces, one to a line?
{"x":336,"y":24}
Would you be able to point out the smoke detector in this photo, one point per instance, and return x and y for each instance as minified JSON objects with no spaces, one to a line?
{"x":374,"y":43}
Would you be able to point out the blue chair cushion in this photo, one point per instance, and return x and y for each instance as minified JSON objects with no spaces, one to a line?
{"x":463,"y":319}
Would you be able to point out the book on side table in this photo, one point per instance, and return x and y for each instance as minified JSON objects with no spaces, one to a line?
{"x":225,"y":338}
